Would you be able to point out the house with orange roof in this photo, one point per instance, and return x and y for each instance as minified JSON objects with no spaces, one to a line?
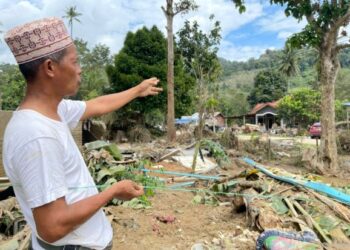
{"x":264,"y":114}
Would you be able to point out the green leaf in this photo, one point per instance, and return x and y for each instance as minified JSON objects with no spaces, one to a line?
{"x":136,"y":203}
{"x":108,"y":183}
{"x":114,"y":151}
{"x":102,"y":173}
{"x":279,"y":206}
{"x":117,"y":169}
{"x":198,"y":199}
{"x":327,"y":222}
{"x":96,"y":145}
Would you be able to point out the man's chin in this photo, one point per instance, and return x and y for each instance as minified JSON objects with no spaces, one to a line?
{"x":73,"y":94}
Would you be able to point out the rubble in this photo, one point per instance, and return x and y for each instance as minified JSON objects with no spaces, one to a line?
{"x":292,"y":203}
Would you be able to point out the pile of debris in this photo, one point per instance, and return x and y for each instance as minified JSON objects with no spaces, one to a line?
{"x":289,"y":208}
{"x":15,"y":234}
{"x":294,"y":207}
{"x":280,"y":207}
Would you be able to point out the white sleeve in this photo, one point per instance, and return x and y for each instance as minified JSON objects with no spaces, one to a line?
{"x":40,"y":170}
{"x":71,"y":111}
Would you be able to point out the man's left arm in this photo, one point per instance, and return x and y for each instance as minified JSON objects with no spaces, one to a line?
{"x":108,"y":103}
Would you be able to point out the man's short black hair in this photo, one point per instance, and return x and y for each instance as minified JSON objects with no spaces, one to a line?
{"x":30,"y":69}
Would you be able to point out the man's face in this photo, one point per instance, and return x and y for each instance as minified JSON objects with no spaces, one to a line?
{"x":69,"y":73}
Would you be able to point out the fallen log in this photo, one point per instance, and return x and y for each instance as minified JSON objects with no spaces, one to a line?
{"x":317,"y":186}
{"x":341,"y":210}
{"x":259,"y":213}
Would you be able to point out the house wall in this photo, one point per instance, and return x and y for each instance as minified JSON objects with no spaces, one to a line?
{"x":5,"y":116}
{"x":267,"y":119}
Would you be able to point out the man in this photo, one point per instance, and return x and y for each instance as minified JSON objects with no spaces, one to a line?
{"x":40,"y":156}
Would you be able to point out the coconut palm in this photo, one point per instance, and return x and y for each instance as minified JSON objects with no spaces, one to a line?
{"x":71,"y":16}
{"x":289,"y":64}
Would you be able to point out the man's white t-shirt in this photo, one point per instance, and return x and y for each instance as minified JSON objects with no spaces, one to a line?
{"x":44,"y":163}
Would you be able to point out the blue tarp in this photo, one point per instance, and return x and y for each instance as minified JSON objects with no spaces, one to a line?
{"x":187,"y":119}
{"x":184,"y":120}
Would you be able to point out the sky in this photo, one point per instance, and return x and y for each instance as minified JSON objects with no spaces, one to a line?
{"x":244,"y":36}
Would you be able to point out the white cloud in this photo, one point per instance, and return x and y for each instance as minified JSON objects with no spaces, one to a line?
{"x":108,"y":21}
{"x":278,"y":22}
{"x":284,"y":34}
{"x":233,"y":52}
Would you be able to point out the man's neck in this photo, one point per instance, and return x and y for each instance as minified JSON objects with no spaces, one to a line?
{"x":41,"y":100}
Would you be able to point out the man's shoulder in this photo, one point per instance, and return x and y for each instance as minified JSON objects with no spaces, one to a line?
{"x":28,"y":125}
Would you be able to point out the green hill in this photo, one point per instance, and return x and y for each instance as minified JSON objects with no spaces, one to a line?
{"x":237,"y":78}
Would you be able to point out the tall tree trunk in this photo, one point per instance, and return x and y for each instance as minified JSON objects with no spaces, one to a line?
{"x":201,"y":123}
{"x":329,"y":66}
{"x":171,"y":133}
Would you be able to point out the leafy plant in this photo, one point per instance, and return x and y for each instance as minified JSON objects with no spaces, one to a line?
{"x":105,"y":171}
{"x":216,"y":150}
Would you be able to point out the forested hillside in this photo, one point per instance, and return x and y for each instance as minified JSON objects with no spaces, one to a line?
{"x":237,"y":78}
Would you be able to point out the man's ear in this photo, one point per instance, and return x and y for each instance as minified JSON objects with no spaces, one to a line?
{"x":49,"y":68}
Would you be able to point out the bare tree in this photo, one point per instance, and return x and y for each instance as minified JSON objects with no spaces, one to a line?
{"x":172,"y":9}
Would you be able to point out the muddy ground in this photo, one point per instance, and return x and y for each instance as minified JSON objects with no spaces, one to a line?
{"x":194,"y":223}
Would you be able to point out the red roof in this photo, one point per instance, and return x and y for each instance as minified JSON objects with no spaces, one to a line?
{"x":260,"y":106}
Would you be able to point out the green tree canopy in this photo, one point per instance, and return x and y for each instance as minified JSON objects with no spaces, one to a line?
{"x":301,"y":107}
{"x":93,"y":63}
{"x":143,"y":56}
{"x":199,"y":49}
{"x":12,"y":86}
{"x":233,"y":102}
{"x":326,"y":22}
{"x":269,"y":85}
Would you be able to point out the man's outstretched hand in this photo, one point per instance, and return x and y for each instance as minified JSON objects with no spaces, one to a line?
{"x":126,"y":190}
{"x":149,"y":87}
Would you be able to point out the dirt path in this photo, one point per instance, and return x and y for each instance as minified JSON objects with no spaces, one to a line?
{"x":139,"y":229}
{"x":300,"y":139}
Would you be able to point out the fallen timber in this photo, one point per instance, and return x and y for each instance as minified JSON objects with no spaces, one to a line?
{"x":319,"y":187}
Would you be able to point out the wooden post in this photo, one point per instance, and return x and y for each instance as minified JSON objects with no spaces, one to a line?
{"x":347,"y":116}
{"x":269,"y":149}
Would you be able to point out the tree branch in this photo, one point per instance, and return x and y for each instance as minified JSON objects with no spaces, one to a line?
{"x":342,"y":20}
{"x":164,"y":11}
{"x":310,"y":18}
{"x":342,"y":46}
{"x":341,"y":4}
{"x":177,"y":12}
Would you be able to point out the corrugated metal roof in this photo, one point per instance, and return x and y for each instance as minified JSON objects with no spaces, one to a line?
{"x":260,"y":106}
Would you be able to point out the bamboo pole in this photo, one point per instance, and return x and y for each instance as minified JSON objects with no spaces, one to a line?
{"x":314,"y":223}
